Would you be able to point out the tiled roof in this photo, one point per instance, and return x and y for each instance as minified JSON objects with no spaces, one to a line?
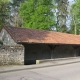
{"x":25,"y":35}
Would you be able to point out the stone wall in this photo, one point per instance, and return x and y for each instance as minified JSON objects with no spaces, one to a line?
{"x":11,"y":55}
{"x":7,"y":39}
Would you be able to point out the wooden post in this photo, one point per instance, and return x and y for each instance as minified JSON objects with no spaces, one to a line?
{"x":75,"y":48}
{"x":52,"y":49}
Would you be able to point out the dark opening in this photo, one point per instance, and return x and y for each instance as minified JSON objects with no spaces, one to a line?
{"x":35,"y":52}
{"x":29,"y":62}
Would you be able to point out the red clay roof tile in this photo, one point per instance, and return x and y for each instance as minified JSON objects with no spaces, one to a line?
{"x":25,"y":35}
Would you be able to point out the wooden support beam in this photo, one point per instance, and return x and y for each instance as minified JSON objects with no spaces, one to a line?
{"x":75,"y":48}
{"x":52,"y":46}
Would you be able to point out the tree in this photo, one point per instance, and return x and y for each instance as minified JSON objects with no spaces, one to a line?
{"x":14,"y":18}
{"x":3,"y":12}
{"x":1,"y":1}
{"x":37,"y":14}
{"x":61,"y":14}
{"x":75,"y":13}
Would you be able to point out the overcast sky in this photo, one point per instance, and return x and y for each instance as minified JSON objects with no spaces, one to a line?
{"x":71,"y":1}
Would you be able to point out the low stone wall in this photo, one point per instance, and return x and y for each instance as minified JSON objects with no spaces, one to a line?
{"x":11,"y":55}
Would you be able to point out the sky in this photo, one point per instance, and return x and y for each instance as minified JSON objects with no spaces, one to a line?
{"x":71,"y":1}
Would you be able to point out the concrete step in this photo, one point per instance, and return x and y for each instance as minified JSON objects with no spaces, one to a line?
{"x":59,"y":60}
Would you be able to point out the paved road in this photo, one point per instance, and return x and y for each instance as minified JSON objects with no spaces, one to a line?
{"x":62,"y":72}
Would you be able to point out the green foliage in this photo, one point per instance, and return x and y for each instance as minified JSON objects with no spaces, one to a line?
{"x":75,"y":13}
{"x":1,"y":1}
{"x":3,"y":11}
{"x":37,"y":14}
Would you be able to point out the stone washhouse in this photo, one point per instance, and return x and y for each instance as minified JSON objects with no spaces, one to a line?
{"x":41,"y":44}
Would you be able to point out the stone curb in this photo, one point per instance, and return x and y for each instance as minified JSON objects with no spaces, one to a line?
{"x":58,"y":59}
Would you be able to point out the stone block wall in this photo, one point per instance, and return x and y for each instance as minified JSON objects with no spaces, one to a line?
{"x":13,"y":55}
{"x":7,"y":39}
